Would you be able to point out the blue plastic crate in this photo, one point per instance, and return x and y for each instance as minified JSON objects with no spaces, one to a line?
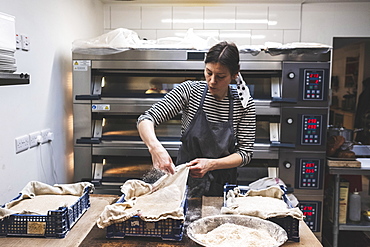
{"x":56,"y":224}
{"x":289,"y":224}
{"x":168,"y":229}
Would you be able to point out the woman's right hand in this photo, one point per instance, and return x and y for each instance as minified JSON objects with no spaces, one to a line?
{"x":162,"y":160}
{"x":160,"y":157}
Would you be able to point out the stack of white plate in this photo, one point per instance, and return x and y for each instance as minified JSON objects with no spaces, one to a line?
{"x":7,"y":43}
{"x":7,"y":61}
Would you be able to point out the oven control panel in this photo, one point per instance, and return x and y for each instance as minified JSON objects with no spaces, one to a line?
{"x":311,"y":130}
{"x":311,"y":209}
{"x":308,"y":172}
{"x":313,"y":85}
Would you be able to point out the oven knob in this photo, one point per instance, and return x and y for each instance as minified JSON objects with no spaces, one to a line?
{"x":287,"y":165}
{"x":289,"y":120}
{"x":291,"y":75}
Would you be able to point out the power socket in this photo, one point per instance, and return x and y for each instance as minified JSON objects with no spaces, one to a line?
{"x":22,"y":143}
{"x":18,"y":41}
{"x":25,"y":42}
{"x":45,"y":135}
{"x":34,"y":138}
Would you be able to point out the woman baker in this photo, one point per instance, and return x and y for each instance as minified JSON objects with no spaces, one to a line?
{"x":218,"y":124}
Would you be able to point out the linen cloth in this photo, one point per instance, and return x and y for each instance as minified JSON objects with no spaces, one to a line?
{"x":151,"y":202}
{"x":35,"y":188}
{"x":265,"y":203}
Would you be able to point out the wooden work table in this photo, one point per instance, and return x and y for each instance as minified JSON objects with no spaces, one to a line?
{"x":85,"y":233}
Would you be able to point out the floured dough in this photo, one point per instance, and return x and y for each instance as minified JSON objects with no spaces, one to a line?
{"x":228,"y":234}
{"x":261,"y":203}
{"x":262,"y":207}
{"x":41,"y":204}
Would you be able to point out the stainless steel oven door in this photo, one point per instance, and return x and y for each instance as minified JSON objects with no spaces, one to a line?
{"x":117,"y":134}
{"x":108,"y":85}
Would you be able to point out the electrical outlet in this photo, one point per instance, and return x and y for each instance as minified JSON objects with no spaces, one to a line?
{"x":44,"y":135}
{"x":22,"y":143}
{"x":34,"y":138}
{"x":25,"y":42}
{"x":18,"y":41}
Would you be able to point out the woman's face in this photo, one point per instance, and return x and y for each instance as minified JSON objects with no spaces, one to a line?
{"x":218,"y":78}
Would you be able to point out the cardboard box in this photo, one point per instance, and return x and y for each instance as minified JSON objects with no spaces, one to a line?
{"x":343,"y":202}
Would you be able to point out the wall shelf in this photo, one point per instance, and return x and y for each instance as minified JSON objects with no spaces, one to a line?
{"x":7,"y":79}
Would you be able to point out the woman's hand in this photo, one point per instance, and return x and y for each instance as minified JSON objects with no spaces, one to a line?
{"x":199,"y":167}
{"x":162,"y":160}
{"x":160,"y":157}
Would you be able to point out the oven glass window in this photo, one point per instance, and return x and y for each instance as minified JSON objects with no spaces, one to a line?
{"x":260,"y":85}
{"x":124,"y":128}
{"x":156,"y":84}
{"x":122,"y":168}
{"x":263,"y":127}
{"x":127,"y":85}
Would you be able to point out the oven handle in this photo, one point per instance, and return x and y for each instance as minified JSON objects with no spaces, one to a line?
{"x":282,"y":145}
{"x":88,"y":140}
{"x":283,"y":100}
{"x":88,"y":97}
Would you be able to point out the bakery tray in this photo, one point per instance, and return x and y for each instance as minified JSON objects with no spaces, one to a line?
{"x":168,"y":229}
{"x":289,"y":224}
{"x":56,"y":224}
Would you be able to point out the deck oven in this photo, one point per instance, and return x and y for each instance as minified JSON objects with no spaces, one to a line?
{"x":290,"y":90}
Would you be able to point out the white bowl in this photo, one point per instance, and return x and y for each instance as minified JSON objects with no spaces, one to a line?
{"x":207,"y":224}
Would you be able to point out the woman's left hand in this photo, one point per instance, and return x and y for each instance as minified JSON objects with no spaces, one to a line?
{"x":199,"y":167}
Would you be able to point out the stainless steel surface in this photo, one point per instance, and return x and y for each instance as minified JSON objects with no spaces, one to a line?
{"x":346,"y":133}
{"x":361,"y":150}
{"x":349,"y":171}
{"x":263,"y":59}
{"x":82,"y":116}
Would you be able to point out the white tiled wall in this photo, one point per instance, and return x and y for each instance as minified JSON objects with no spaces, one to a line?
{"x":243,"y":24}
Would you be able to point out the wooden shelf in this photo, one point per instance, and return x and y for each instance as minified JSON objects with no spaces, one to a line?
{"x":7,"y":79}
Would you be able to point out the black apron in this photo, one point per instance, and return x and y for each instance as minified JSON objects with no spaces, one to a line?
{"x":204,"y":139}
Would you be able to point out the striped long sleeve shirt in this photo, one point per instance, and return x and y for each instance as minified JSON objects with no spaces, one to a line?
{"x":186,"y":98}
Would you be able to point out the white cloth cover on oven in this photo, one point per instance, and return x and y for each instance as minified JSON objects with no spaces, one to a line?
{"x":151,"y":202}
{"x":264,"y":203}
{"x":122,"y":39}
{"x":42,"y":191}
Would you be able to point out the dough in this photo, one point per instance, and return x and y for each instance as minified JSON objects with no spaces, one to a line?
{"x":262,"y":207}
{"x":228,"y":234}
{"x":41,"y":204}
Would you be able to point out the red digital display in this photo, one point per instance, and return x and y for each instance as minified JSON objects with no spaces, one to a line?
{"x":312,"y":127}
{"x":314,"y":81}
{"x":307,"y":213}
{"x":309,"y":170}
{"x":307,"y":210}
{"x":310,"y":164}
{"x":312,"y":120}
{"x":313,"y":77}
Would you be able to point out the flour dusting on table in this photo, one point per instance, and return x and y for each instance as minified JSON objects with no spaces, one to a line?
{"x":229,"y":234}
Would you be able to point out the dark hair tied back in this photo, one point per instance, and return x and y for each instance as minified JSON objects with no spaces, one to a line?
{"x":226,"y":54}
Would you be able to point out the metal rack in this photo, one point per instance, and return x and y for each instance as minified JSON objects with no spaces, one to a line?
{"x":362,"y":226}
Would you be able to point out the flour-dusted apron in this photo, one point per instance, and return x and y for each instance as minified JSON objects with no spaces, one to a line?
{"x":204,"y":139}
